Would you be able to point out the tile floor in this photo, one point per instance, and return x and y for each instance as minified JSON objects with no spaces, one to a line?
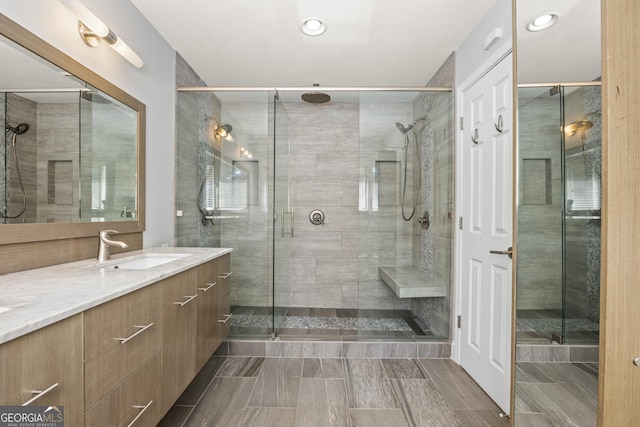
{"x":556,"y":394}
{"x":322,"y":392}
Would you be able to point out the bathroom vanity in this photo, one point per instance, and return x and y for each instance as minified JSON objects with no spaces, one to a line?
{"x":114,"y":343}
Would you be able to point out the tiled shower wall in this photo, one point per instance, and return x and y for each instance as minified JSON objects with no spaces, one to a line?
{"x":324,"y":175}
{"x":193,"y":149}
{"x":21,"y":110}
{"x":539,"y":212}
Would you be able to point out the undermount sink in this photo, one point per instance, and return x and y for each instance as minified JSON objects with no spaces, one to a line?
{"x":4,"y":309}
{"x":143,"y":262}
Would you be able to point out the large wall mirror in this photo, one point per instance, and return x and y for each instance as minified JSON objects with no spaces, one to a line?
{"x":558,"y":212}
{"x":71,"y":160}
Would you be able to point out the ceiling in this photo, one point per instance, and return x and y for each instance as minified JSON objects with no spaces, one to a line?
{"x":367,"y":42}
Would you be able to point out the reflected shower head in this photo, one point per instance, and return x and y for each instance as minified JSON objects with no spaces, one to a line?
{"x":19,"y":129}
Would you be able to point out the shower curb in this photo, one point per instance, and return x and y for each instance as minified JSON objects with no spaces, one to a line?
{"x":335,"y":349}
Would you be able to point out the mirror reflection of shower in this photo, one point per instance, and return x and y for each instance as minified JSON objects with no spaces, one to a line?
{"x":416,"y":196}
{"x":19,"y":129}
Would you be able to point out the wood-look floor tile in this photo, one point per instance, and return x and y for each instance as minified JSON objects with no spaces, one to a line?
{"x":528,"y":372}
{"x":241,"y":367}
{"x":422,"y":404}
{"x":196,"y":389}
{"x":481,"y":419}
{"x":404,"y":369}
{"x":225,"y":397}
{"x":560,"y":407}
{"x":581,"y":384}
{"x":278,"y":384}
{"x":368,"y":385}
{"x":264,"y":417}
{"x":377,"y":418}
{"x":322,"y":368}
{"x":176,"y":416}
{"x":456,"y":386}
{"x":532,"y":420}
{"x":322,"y":403}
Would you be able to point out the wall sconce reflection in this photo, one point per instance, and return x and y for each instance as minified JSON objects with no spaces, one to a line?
{"x":92,"y":31}
{"x":220,"y":131}
{"x":245,"y":153}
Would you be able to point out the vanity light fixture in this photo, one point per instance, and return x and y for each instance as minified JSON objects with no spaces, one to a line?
{"x":87,"y":24}
{"x":543,"y":22}
{"x":313,"y":27}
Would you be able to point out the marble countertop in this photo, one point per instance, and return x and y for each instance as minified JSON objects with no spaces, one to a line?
{"x":40,"y":297}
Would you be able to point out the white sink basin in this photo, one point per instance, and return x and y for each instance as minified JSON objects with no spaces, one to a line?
{"x":4,"y":309}
{"x":143,"y":262}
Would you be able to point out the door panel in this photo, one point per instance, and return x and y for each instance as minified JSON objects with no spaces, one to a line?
{"x":487,"y":225}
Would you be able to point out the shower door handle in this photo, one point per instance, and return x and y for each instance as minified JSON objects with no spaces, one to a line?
{"x":508,"y":252}
{"x":282,"y":214}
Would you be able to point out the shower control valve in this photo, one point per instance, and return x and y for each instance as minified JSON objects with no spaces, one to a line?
{"x":316,"y":217}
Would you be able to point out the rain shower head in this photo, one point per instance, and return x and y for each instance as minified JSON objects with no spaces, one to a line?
{"x":316,"y":97}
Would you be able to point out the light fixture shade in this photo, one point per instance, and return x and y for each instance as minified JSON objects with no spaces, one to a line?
{"x":87,"y":17}
{"x":127,"y":53}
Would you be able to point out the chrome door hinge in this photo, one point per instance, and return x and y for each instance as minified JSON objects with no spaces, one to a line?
{"x":459,"y":321}
{"x":460,"y":223}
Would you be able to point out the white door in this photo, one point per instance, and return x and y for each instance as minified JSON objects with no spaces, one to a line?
{"x":485,"y":304}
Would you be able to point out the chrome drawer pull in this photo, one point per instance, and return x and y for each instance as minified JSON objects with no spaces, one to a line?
{"x":39,"y":394}
{"x":225,"y":275}
{"x":142,"y":329}
{"x":227,"y":317}
{"x":144,"y":408}
{"x":189,"y":298}
{"x":209,"y":286}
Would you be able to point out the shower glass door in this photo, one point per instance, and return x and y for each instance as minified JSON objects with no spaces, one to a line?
{"x":558,"y":271}
{"x":539,"y":299}
{"x":283,"y":216}
{"x":582,"y":173}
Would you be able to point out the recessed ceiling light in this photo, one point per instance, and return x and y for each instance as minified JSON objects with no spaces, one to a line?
{"x":313,"y":27}
{"x":543,"y":22}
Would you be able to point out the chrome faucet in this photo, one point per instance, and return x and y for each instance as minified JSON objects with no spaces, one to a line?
{"x":105,"y":242}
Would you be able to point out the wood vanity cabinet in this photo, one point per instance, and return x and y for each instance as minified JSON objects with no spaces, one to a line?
{"x":179,"y":334}
{"x":34,"y":363}
{"x":208,"y":338}
{"x":122,"y":338}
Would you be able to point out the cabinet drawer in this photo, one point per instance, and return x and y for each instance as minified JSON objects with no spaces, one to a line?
{"x":224,"y":274}
{"x":207,"y":312}
{"x":224,"y":318}
{"x":48,"y":361}
{"x":179,"y":334}
{"x":135,"y":402}
{"x":119,"y":337}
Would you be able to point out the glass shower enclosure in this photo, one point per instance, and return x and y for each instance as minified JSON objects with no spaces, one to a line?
{"x":309,"y":196}
{"x":559,"y":162}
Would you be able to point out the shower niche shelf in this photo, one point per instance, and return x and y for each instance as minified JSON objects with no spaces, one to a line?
{"x":410,"y":282}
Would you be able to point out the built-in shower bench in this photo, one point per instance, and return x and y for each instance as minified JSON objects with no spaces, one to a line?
{"x":410,"y":282}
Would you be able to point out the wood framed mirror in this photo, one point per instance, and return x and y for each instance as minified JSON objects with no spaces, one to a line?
{"x":98,"y":184}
